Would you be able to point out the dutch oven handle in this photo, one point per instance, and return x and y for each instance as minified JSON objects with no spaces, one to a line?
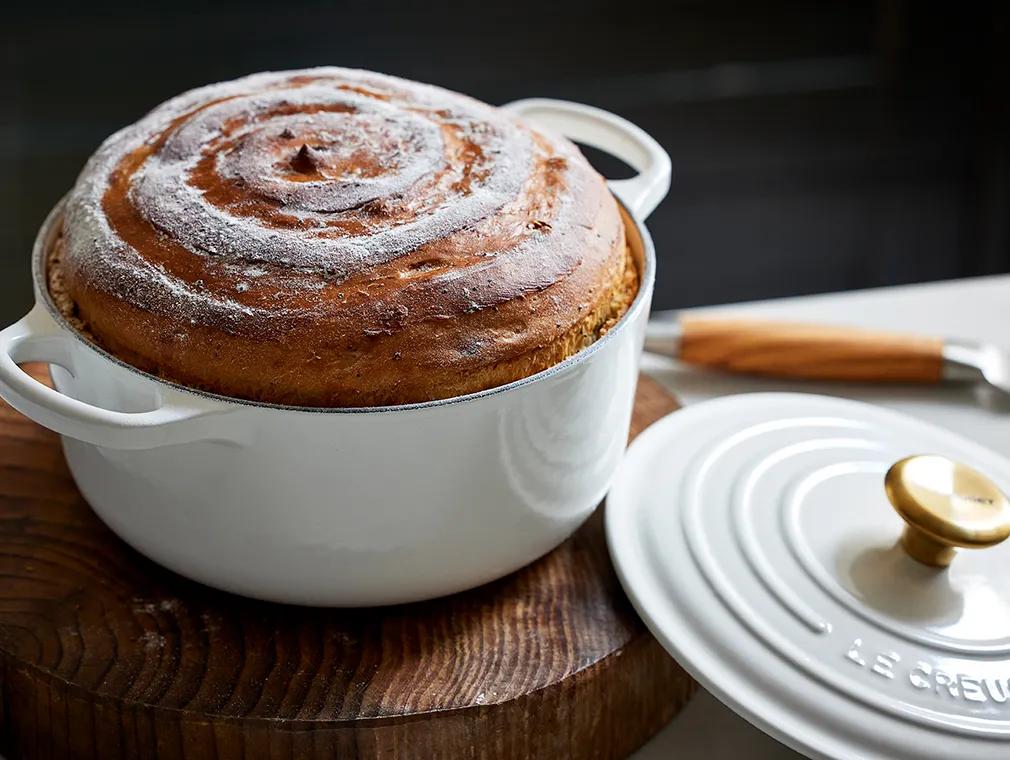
{"x":179,"y":418}
{"x":610,"y":133}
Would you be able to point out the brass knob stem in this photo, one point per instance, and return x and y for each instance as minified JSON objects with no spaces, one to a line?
{"x":945,"y":505}
{"x":927,"y":550}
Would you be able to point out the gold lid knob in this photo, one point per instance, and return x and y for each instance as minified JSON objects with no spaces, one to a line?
{"x":945,"y":504}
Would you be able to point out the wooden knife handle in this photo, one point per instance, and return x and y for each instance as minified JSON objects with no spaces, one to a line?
{"x":816,"y":352}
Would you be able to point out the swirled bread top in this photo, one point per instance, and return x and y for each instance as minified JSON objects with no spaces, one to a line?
{"x":337,"y":207}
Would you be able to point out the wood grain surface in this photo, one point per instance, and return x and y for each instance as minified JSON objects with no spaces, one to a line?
{"x":105,"y":655}
{"x":816,"y":352}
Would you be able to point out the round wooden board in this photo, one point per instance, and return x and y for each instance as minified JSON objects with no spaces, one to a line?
{"x":105,"y":655}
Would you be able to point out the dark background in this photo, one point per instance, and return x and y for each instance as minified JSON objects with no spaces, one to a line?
{"x":816,"y":146}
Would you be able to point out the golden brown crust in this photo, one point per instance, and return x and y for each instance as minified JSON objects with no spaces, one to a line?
{"x":495,"y":253}
{"x":315,"y":384}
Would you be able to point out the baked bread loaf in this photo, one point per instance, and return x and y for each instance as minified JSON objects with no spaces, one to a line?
{"x":339,"y":238}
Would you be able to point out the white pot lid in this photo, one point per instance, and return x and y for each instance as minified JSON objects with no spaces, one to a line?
{"x":755,"y":538}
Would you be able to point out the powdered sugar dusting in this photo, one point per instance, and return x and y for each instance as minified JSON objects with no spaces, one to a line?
{"x":300,"y":181}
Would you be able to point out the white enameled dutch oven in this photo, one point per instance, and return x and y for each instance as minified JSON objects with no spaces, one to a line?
{"x":349,"y":506}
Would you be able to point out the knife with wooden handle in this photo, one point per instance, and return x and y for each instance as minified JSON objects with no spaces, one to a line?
{"x":823,"y":352}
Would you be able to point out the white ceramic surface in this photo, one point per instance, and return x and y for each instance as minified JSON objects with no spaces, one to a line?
{"x":349,"y":507}
{"x":754,"y":536}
